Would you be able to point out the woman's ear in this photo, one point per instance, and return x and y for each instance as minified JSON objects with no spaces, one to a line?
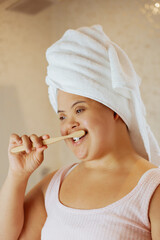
{"x":116,"y":116}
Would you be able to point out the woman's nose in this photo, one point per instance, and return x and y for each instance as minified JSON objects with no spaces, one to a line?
{"x":72,"y":123}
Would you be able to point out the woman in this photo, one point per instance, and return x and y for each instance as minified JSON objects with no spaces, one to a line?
{"x":113,"y":193}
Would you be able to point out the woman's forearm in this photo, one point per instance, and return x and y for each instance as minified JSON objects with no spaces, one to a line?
{"x":11,"y":206}
{"x":21,"y":166}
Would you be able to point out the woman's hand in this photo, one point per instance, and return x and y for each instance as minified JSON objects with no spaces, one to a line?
{"x":26,"y":162}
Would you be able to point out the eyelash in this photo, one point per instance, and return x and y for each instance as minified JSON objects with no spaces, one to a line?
{"x":79,"y":109}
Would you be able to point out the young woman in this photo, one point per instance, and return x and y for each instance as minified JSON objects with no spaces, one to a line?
{"x":113,"y":192}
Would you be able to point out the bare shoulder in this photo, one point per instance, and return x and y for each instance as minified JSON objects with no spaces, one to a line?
{"x":145,"y":165}
{"x":34,"y":210}
{"x":45,"y":182}
{"x":154,"y":205}
{"x":41,"y":187}
{"x":154,"y":214}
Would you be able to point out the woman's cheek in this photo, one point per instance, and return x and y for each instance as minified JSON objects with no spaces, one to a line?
{"x":63,"y":131}
{"x":90,"y":123}
{"x":87,"y":122}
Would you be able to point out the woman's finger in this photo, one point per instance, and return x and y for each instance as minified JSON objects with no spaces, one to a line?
{"x":14,"y":138}
{"x":27,"y":143}
{"x":46,"y":136}
{"x":37,"y":141}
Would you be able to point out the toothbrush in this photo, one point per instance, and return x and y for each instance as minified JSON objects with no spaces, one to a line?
{"x":76,"y":134}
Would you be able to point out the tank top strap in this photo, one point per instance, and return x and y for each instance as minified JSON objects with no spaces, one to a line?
{"x":147,"y":186}
{"x":54,"y":184}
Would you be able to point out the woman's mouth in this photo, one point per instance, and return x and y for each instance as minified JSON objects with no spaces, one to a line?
{"x":78,"y":140}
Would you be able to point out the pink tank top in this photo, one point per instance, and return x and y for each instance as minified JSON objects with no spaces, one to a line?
{"x":125,"y":219}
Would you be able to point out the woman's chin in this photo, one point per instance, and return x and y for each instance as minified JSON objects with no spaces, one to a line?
{"x":81,"y":157}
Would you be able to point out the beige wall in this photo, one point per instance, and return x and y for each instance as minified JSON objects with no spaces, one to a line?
{"x":24,"y":38}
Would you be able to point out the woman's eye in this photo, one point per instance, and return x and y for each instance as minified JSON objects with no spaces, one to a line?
{"x":61,"y":118}
{"x":79,"y":110}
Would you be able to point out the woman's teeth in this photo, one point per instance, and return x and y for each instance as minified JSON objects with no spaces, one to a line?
{"x":76,"y":139}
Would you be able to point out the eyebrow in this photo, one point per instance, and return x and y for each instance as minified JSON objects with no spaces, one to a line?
{"x":72,"y":105}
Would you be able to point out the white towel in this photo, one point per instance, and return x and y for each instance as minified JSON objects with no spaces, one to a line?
{"x":87,"y":63}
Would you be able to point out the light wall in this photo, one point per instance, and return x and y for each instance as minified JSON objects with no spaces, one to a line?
{"x":24,"y":38}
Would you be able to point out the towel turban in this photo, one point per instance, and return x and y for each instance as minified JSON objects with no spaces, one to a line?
{"x":86,"y":62}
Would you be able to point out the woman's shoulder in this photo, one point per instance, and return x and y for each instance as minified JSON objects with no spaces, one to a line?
{"x":145,"y":165}
{"x":140,"y":170}
{"x":46,"y":180}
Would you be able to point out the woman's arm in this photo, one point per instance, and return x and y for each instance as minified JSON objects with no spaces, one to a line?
{"x":154,"y":214}
{"x":11,"y":207}
{"x":34,"y":210}
{"x":12,"y":194}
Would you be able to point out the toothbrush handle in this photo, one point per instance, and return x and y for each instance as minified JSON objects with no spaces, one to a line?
{"x":45,"y":142}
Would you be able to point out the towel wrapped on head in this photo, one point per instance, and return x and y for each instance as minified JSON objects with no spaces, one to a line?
{"x":86,"y":62}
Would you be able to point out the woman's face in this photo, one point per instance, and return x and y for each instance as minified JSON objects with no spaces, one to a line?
{"x":81,"y":113}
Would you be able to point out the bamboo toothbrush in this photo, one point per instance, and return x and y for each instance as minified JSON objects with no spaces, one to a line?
{"x":76,"y":134}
